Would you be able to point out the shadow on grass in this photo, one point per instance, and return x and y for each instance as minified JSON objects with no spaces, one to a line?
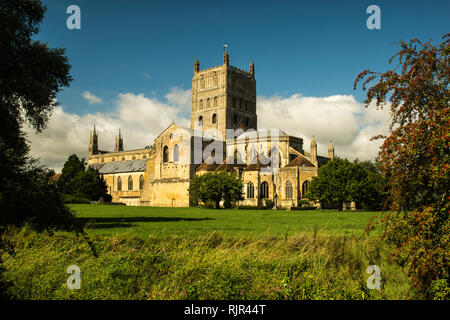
{"x":105,"y":223}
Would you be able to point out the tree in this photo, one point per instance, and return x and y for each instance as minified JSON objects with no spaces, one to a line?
{"x":375,"y":195}
{"x":72,"y":167}
{"x":213,"y":187}
{"x":89,"y":184}
{"x":414,"y":160}
{"x":31,"y":74}
{"x":80,"y":182}
{"x":340,"y":181}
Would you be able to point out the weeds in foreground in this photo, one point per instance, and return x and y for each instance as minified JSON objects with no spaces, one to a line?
{"x":208,"y":266}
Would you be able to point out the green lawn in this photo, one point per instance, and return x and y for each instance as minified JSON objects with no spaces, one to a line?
{"x":116,"y":219}
{"x":192,"y":253}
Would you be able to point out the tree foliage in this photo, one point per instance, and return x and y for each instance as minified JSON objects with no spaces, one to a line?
{"x":213,"y":187}
{"x":31,"y":74}
{"x":414,"y":159}
{"x":340,"y":181}
{"x":71,"y":168}
{"x":76,"y":180}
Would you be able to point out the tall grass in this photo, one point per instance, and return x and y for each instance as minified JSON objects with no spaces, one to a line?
{"x":208,"y":266}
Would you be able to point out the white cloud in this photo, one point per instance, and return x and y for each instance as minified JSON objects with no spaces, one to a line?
{"x":339,"y":118}
{"x":92,"y":99}
{"x":141,"y":119}
{"x":179,"y":97}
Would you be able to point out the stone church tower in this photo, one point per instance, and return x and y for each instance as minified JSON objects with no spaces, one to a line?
{"x":223,"y":97}
{"x":93,"y":142}
{"x":118,"y":143}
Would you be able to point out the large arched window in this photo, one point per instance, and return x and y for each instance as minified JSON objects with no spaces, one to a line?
{"x":305,"y":188}
{"x":250,"y":191}
{"x":130,"y":183}
{"x":202,"y":83}
{"x":166,"y":154}
{"x":200,"y":121}
{"x":214,"y":118}
{"x":264,"y":192}
{"x":119,"y":184}
{"x":141,"y":182}
{"x":176,"y":153}
{"x":288,"y":190}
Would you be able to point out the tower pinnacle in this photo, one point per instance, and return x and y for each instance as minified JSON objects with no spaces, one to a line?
{"x":251,"y":68}
{"x":226,"y":58}
{"x":196,"y":66}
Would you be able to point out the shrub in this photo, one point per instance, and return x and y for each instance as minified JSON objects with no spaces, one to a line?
{"x":269,"y":203}
{"x":74,"y":199}
{"x":304,"y":208}
{"x":302,"y":203}
{"x":107,"y":198}
{"x":252,"y":208}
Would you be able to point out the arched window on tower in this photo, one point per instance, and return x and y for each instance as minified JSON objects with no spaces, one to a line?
{"x":288,"y":190}
{"x":215,"y":102}
{"x":141,"y":182}
{"x":202,"y":83}
{"x":200,"y":105}
{"x":207,"y":103}
{"x":250,"y":191}
{"x":200,"y":121}
{"x":264,"y":192}
{"x":305,"y":188}
{"x":176,"y":153}
{"x":119,"y":184}
{"x":214,"y":118}
{"x":166,"y":154}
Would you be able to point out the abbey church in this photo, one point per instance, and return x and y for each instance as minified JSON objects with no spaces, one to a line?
{"x":223,"y":135}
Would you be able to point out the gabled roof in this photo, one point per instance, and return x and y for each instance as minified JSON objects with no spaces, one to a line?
{"x":300,"y":161}
{"x":170,"y":125}
{"x":207,"y":167}
{"x":230,"y":164}
{"x":120,"y":166}
{"x":261,"y":133}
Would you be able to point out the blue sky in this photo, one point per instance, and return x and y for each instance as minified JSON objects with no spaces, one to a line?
{"x":133,"y":63}
{"x":313,"y":48}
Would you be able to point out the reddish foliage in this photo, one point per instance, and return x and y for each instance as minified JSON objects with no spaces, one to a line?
{"x":414,"y":159}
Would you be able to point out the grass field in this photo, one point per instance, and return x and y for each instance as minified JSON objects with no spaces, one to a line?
{"x":116,"y":219}
{"x":191,"y":253}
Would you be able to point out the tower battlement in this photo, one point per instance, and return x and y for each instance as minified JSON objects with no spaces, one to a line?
{"x":223,"y":97}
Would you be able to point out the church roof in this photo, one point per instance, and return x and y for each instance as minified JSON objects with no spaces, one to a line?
{"x":207,"y":167}
{"x":300,"y":161}
{"x":230,"y":164}
{"x":260,"y":133}
{"x":120,"y":166}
